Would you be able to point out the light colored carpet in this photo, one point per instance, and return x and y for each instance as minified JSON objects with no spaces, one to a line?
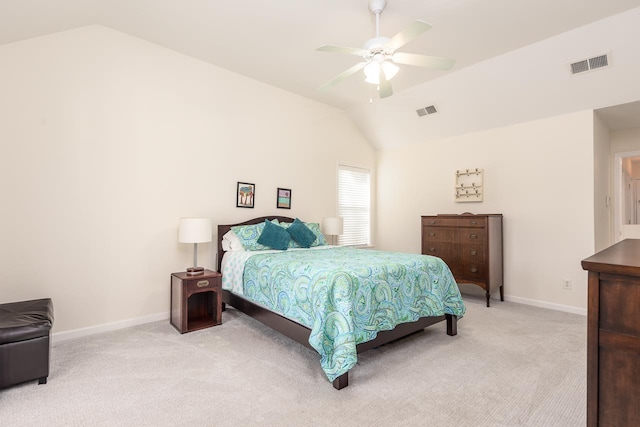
{"x":509,"y":365}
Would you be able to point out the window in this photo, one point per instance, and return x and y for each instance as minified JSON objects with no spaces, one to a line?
{"x":354,"y":205}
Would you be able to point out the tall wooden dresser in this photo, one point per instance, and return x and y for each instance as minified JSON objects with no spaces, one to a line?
{"x":471,"y":245}
{"x":613,"y":335}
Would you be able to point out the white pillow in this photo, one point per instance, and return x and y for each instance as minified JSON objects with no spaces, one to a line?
{"x":231,"y":242}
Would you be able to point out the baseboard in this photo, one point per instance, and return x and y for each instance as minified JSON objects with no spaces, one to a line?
{"x":549,"y":305}
{"x":82,"y":332}
{"x":470,"y":289}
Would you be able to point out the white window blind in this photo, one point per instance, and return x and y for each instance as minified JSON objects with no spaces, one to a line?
{"x":354,"y":205}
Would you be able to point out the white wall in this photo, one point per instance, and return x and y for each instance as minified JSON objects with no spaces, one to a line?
{"x":539,"y":175}
{"x":108,"y":140}
{"x":625,"y":140}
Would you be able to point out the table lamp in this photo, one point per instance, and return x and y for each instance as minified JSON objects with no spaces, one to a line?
{"x":195,"y":230}
{"x":332,"y":226}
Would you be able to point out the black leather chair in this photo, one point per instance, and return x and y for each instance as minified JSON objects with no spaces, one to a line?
{"x":25,"y":341}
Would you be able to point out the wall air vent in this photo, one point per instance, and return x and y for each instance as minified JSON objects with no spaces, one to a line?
{"x":431,"y":109}
{"x":589,"y":64}
{"x":598,"y":61}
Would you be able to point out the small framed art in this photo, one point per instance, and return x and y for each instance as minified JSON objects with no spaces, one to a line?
{"x":245,"y":195}
{"x":284,"y":198}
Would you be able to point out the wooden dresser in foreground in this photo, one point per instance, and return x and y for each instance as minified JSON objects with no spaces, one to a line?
{"x":471,"y":245}
{"x":613,"y":335}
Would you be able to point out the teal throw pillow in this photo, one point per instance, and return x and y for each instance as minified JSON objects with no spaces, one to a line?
{"x":301,"y":233}
{"x":292,"y":243}
{"x":274,"y":236}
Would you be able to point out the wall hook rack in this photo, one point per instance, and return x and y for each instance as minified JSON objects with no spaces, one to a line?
{"x":469,"y":185}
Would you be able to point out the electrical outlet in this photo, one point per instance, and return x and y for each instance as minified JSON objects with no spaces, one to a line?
{"x":566,"y":284}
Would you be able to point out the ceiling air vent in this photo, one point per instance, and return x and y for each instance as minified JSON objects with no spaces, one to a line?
{"x":431,"y":109}
{"x":589,"y":64}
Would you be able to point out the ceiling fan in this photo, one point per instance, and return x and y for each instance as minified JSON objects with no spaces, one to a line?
{"x":380,"y":57}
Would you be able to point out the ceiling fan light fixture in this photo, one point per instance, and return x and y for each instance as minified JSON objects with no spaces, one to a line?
{"x":389,"y":69}
{"x":372,"y":71}
{"x":380,"y":57}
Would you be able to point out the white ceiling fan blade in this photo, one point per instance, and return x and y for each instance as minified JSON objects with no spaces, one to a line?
{"x":408,"y":34}
{"x":349,"y":72}
{"x":342,"y":49}
{"x":423,"y":60}
{"x":384,"y":89}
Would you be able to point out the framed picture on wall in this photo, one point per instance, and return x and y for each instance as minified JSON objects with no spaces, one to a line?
{"x":245,"y":195}
{"x":284,"y":198}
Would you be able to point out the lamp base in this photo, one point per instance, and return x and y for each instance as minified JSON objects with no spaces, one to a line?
{"x":194,"y":271}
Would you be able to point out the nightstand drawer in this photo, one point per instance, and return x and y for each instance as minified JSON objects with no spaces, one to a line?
{"x":200,"y":284}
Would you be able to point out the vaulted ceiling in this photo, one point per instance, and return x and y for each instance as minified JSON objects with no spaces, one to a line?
{"x":275,"y":41}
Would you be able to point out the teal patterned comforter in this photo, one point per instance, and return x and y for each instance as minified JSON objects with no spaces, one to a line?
{"x":345,"y":295}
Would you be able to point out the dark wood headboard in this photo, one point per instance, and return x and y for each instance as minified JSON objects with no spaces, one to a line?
{"x":223,"y":228}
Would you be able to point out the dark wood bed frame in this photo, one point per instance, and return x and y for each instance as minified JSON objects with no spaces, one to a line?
{"x":301,"y":333}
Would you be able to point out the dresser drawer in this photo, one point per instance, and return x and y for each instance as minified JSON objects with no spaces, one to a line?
{"x":472,"y":236}
{"x":438,"y":234}
{"x":472,"y":222}
{"x":470,"y":271}
{"x":472,"y":254}
{"x":616,"y":313}
{"x":445,"y":251}
{"x":439,"y":222}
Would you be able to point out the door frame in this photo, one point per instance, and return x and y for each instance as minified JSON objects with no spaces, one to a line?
{"x":635,"y":183}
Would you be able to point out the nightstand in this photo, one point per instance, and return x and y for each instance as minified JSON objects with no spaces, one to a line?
{"x":196,"y":301}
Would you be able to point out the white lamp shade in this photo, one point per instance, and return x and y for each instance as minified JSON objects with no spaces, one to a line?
{"x":332,"y":226}
{"x":195,"y":230}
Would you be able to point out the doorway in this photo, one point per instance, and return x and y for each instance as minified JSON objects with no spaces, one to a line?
{"x":627,"y":191}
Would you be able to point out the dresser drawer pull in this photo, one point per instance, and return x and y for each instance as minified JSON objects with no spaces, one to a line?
{"x":473,"y":222}
{"x":432,"y":249}
{"x":432,"y":234}
{"x":473,"y":253}
{"x":431,"y":222}
{"x":473,"y":236}
{"x":202,"y":283}
{"x":474,"y":270}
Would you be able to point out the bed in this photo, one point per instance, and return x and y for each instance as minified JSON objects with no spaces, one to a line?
{"x":329,"y":320}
